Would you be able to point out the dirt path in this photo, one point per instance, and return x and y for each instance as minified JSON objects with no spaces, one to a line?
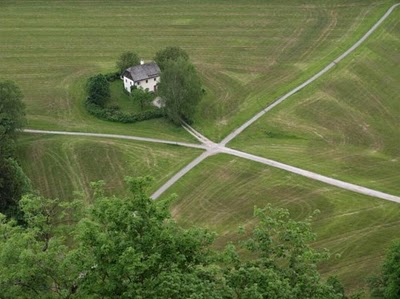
{"x":154,"y":140}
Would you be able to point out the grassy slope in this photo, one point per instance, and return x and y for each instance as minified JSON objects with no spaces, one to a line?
{"x":347,"y":124}
{"x":50,"y":48}
{"x":59,"y":165}
{"x":221,"y":193}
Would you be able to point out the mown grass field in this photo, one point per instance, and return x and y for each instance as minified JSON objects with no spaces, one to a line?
{"x":247,"y":52}
{"x":59,"y":165}
{"x":347,"y":124}
{"x":221,"y":193}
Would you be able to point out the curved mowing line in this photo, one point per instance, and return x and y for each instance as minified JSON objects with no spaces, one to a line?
{"x":216,"y":148}
{"x":154,"y":140}
{"x":237,"y":131}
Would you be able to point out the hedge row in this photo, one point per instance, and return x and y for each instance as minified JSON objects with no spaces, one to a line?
{"x":115,"y":115}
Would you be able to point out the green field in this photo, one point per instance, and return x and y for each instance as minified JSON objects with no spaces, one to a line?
{"x":346,"y":125}
{"x":59,"y":165}
{"x":221,"y":193}
{"x":247,"y":52}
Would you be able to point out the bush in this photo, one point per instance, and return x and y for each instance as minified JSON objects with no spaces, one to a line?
{"x":111,"y":77}
{"x":116,"y":115}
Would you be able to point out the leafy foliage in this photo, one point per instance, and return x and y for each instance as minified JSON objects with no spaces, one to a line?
{"x":132,"y":248}
{"x":12,"y":115}
{"x":13,"y":184}
{"x":170,"y":54}
{"x":127,"y":59}
{"x":387,"y":284}
{"x":13,"y":181}
{"x":180,"y":88}
{"x":144,"y":97}
{"x":116,"y":115}
{"x":98,"y":90}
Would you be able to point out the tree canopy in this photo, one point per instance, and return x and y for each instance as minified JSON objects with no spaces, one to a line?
{"x":181,"y":90}
{"x":13,"y":181}
{"x":12,"y":109}
{"x":132,"y":248}
{"x":127,"y":59}
{"x":98,"y":90}
{"x":169,"y":53}
{"x":144,"y":97}
{"x":387,"y":284}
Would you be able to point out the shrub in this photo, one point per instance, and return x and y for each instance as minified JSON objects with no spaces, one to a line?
{"x":115,"y":115}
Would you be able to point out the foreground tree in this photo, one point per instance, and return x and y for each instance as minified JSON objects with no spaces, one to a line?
{"x":170,"y":54}
{"x":180,"y":88}
{"x":387,"y":283}
{"x":132,"y":248}
{"x":126,"y":60}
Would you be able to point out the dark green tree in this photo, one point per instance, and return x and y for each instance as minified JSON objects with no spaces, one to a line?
{"x":13,"y":181}
{"x":387,"y":284}
{"x":12,"y":110}
{"x":144,"y":97}
{"x":98,"y":90}
{"x":180,"y":88}
{"x":170,"y":53}
{"x":126,"y":60}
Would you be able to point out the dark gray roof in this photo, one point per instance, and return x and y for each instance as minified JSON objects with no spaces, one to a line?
{"x":142,"y":71}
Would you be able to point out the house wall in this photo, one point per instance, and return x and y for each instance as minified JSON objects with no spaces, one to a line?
{"x":142,"y":84}
{"x":127,"y":83}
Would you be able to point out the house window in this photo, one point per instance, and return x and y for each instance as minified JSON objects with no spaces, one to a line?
{"x":147,"y":81}
{"x":155,"y":79}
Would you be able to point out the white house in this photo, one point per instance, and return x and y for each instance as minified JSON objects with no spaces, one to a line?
{"x":144,"y":75}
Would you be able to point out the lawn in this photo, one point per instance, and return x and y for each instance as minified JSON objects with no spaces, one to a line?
{"x":221,"y":193}
{"x":59,"y":165}
{"x":346,"y":125}
{"x":247,"y":52}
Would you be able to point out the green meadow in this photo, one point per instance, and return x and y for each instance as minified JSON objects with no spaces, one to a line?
{"x":346,"y":125}
{"x":58,"y":165}
{"x":247,"y":52}
{"x":221,"y":194}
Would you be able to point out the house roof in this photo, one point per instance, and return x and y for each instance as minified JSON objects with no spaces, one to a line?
{"x":142,"y":71}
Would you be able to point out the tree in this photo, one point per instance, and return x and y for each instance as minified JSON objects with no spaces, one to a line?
{"x":180,"y":88}
{"x":387,"y":283}
{"x":126,"y":60}
{"x":170,"y":53}
{"x":13,"y":184}
{"x":12,"y":109}
{"x":13,"y":181}
{"x":132,"y":248}
{"x":144,"y":97}
{"x":98,"y":90}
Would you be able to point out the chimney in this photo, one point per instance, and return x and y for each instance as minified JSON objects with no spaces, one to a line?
{"x":141,"y":61}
